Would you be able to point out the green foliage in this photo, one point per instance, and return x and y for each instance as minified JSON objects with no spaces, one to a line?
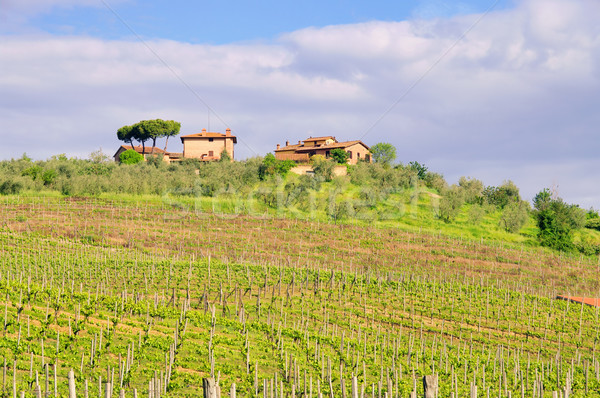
{"x":155,"y":160}
{"x":435,"y":181}
{"x":472,"y":188}
{"x":34,"y":172}
{"x":500,"y":196}
{"x":557,"y":220}
{"x":323,"y":167}
{"x":450,"y":204}
{"x":475,"y":214}
{"x":49,"y":176}
{"x":593,"y":223}
{"x":419,"y":168}
{"x":383,"y":152}
{"x":10,"y":187}
{"x":148,"y":130}
{"x":130,"y":156}
{"x":271,"y":166}
{"x":126,"y":134}
{"x":592,"y":219}
{"x":514,"y":216}
{"x":360,"y":173}
{"x":339,"y":155}
{"x":225,"y":156}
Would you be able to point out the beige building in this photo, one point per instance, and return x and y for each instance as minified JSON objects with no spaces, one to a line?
{"x":207,"y":145}
{"x":302,"y":151}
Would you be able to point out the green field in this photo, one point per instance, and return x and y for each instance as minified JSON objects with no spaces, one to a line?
{"x":151,"y":290}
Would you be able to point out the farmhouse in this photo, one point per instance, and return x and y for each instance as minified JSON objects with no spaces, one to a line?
{"x":205,"y":146}
{"x":303,"y":150}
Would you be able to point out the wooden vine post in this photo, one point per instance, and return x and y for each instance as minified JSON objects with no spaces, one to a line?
{"x":210,"y":388}
{"x":430,"y":385}
{"x":71,"y":377}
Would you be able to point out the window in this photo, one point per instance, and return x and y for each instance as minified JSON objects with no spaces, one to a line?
{"x":357,"y":155}
{"x":210,"y":153}
{"x":327,"y":154}
{"x":349,"y":154}
{"x":211,"y":139}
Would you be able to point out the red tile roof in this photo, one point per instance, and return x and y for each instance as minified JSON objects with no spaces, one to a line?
{"x":319,"y":138}
{"x":302,"y":148}
{"x":208,"y":134}
{"x":147,"y":149}
{"x":594,"y":302}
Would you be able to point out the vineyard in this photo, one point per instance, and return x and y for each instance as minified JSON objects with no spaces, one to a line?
{"x":149,"y":298}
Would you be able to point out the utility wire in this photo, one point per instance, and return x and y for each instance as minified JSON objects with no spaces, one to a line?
{"x":433,"y":65}
{"x":173,"y":72}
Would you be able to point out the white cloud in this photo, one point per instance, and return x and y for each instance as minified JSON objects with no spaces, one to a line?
{"x":517,"y":94}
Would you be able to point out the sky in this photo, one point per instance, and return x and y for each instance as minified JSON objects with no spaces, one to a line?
{"x":494,"y":90}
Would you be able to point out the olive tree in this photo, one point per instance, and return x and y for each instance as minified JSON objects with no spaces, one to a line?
{"x":383,"y":152}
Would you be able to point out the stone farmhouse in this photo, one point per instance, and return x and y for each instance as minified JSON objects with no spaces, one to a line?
{"x":303,"y":150}
{"x":204,"y":146}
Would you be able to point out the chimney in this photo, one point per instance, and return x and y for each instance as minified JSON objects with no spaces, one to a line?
{"x":203,"y":131}
{"x":299,"y":142}
{"x":277,"y":146}
{"x":287,"y":143}
{"x":228,"y":132}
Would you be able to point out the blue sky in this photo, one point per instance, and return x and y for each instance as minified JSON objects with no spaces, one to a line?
{"x":509,"y":93}
{"x":219,"y":22}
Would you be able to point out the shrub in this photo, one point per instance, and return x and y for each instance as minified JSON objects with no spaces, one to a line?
{"x":419,"y":168}
{"x":225,"y":157}
{"x":436,"y":181}
{"x":49,"y":176}
{"x":155,"y":160}
{"x":360,"y":174}
{"x":450,"y":204}
{"x":593,"y":223}
{"x":130,"y":156}
{"x":339,"y":155}
{"x":472,"y":188}
{"x":10,"y":187}
{"x":500,"y":196}
{"x":271,"y":166}
{"x":34,"y":172}
{"x":323,"y":167}
{"x":556,"y":220}
{"x":514,"y":216}
{"x":475,"y":214}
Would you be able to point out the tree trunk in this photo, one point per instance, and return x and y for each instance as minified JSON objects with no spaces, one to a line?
{"x":153,"y":145}
{"x":166,"y":143}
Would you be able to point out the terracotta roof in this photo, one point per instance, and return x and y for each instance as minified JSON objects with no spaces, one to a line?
{"x":593,"y":302}
{"x":290,"y":147}
{"x":335,"y":145}
{"x":138,"y":149}
{"x":208,"y":134}
{"x":319,"y":138}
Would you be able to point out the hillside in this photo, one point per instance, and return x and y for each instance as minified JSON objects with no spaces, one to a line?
{"x":139,"y":289}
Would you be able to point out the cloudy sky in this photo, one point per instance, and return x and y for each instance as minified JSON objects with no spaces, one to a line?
{"x":494,"y":90}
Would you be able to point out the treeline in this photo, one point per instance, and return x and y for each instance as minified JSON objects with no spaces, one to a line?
{"x":364,"y":193}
